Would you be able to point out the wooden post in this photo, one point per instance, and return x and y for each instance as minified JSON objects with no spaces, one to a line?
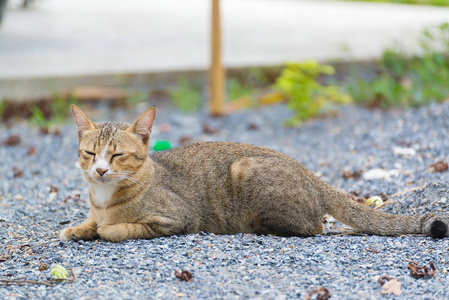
{"x":216,"y":74}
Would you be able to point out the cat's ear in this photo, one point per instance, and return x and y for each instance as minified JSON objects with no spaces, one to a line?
{"x":82,"y":121}
{"x":142,"y":127}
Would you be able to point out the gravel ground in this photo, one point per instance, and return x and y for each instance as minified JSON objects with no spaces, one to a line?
{"x":232,"y":266}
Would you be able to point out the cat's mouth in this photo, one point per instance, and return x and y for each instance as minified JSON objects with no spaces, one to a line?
{"x":102,"y":179}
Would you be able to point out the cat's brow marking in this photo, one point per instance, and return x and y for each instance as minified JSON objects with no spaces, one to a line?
{"x":105,"y":149}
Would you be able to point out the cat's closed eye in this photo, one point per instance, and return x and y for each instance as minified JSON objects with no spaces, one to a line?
{"x":90,"y":153}
{"x":115,"y":155}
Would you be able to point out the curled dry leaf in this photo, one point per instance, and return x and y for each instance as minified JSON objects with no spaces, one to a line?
{"x":57,"y":131}
{"x":17,"y":172}
{"x":44,"y":131}
{"x":347,"y":174}
{"x":390,"y":286}
{"x":20,"y":247}
{"x":207,"y":129}
{"x":383,"y":196}
{"x":356,"y":197}
{"x":31,"y":151}
{"x":12,"y":140}
{"x":76,"y":197}
{"x":4,"y":257}
{"x":185,"y":139}
{"x":184,"y":275}
{"x":363,"y":199}
{"x":440,"y":166}
{"x":322,"y":294}
{"x":383,"y":279}
{"x":53,"y":189}
{"x":43,"y":267}
{"x":252,"y":126}
{"x":420,"y":272}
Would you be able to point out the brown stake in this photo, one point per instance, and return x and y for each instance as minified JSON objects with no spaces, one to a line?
{"x":216,"y":69}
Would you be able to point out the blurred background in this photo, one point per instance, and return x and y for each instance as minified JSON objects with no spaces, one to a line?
{"x":386,"y":53}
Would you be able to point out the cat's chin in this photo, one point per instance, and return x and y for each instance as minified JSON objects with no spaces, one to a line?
{"x":102,"y":180}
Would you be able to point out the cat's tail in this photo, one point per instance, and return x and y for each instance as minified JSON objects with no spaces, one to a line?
{"x":371,"y":221}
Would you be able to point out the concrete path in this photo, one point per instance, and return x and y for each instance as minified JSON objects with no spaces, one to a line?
{"x":84,"y":37}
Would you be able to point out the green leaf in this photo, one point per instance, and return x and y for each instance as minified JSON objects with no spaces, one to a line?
{"x":59,"y":272}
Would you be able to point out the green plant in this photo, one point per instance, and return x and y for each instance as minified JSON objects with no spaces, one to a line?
{"x":237,"y":90}
{"x":408,"y":79}
{"x":305,"y":95}
{"x":186,"y":97}
{"x":56,"y":111}
{"x":59,"y":108}
{"x":136,"y":98}
{"x":38,"y":117}
{"x":3,"y":105}
{"x":424,"y":2}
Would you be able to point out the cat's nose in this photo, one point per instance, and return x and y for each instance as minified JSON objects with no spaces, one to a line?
{"x":101,"y":171}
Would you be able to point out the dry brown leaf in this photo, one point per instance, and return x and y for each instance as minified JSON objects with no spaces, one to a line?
{"x":356,"y":197}
{"x":17,"y":172}
{"x":53,"y":189}
{"x":440,"y":166}
{"x":185,"y":139}
{"x":207,"y":129}
{"x":31,"y":150}
{"x":44,"y":131}
{"x":76,"y":197}
{"x":347,"y":174}
{"x":419,"y":272}
{"x":322,"y":294}
{"x":184,"y":275}
{"x":12,"y":140}
{"x":43,"y":267}
{"x":252,"y":126}
{"x":392,"y":287}
{"x":4,"y":257}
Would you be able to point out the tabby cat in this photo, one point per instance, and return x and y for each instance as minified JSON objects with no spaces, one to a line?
{"x":218,"y":187}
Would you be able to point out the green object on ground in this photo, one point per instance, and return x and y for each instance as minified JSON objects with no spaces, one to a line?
{"x":422,"y":2}
{"x":59,"y":272}
{"x":161,"y":145}
{"x":306,"y":96}
{"x":407,"y":78}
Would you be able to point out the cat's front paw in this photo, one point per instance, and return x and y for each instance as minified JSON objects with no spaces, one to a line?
{"x":77,"y":233}
{"x":112,"y":233}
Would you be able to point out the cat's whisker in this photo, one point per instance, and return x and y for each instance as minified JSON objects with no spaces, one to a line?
{"x":127,"y":173}
{"x":78,"y":175}
{"x":127,"y":178}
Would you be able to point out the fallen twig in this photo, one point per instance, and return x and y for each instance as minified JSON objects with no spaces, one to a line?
{"x":400,"y":193}
{"x":371,"y":250}
{"x":75,"y":277}
{"x":23,"y":282}
{"x":50,"y":282}
{"x":28,"y":247}
{"x":408,"y":191}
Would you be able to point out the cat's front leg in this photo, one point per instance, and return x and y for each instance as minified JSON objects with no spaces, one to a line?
{"x":124,"y":231}
{"x":86,"y":231}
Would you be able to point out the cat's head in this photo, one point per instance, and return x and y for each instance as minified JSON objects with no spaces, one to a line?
{"x":112,"y":152}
